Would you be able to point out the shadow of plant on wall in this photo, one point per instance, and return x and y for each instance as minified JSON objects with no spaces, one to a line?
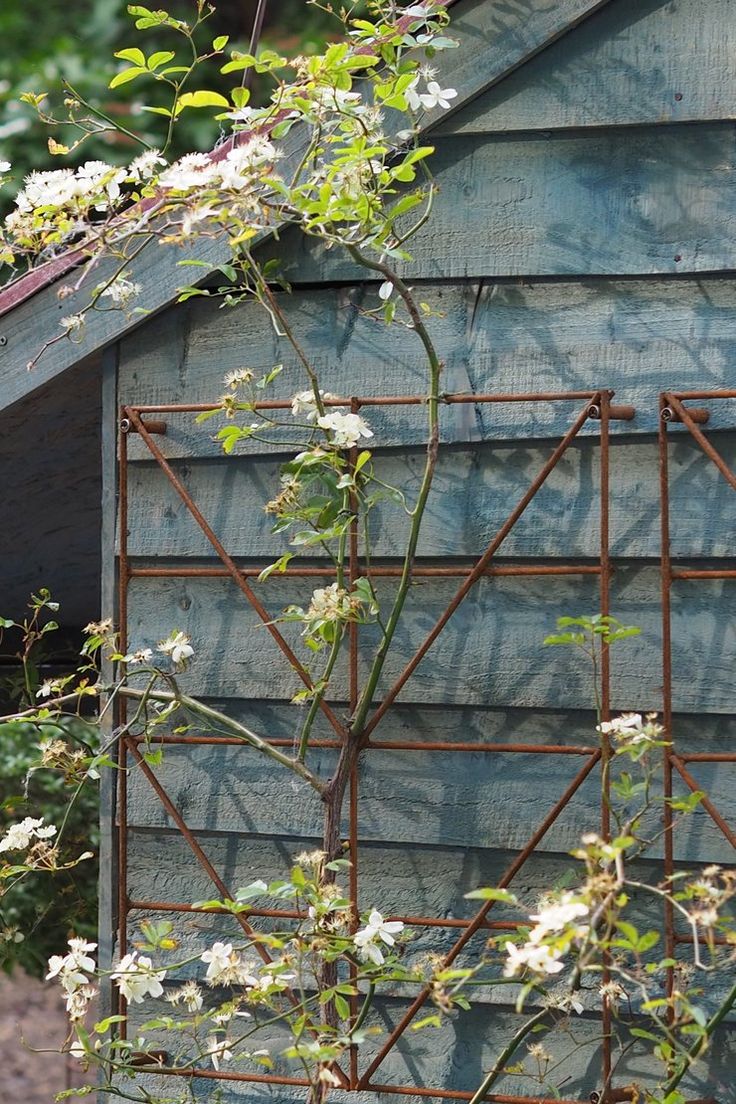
{"x":337,"y":155}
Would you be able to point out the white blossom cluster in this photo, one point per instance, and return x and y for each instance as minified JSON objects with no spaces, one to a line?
{"x":19,"y":837}
{"x":345,"y":429}
{"x":560,"y":918}
{"x":72,"y":970}
{"x":234,"y":172}
{"x":633,"y":730}
{"x":137,"y":978}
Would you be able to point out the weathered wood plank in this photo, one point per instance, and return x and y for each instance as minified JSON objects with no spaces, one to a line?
{"x":393,"y":878}
{"x":490,"y":653}
{"x":108,"y":875}
{"x":418,"y":799}
{"x":637,"y":61}
{"x":50,"y":513}
{"x":454,"y":1056}
{"x":474,"y":491}
{"x":458,"y":1054}
{"x":549,"y":205}
{"x":636,"y":337}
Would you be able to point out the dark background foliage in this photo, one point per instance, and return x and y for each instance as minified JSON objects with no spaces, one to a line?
{"x":44,"y":42}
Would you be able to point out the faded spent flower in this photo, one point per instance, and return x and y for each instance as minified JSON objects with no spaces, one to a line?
{"x":331,"y":603}
{"x":178,"y":646}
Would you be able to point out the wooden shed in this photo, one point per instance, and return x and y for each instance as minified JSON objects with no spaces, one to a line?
{"x":578,"y":263}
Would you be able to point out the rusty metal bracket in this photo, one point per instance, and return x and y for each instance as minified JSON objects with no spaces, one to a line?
{"x":127,"y":425}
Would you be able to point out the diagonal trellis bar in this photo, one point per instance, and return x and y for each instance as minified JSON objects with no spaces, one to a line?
{"x":229,"y":563}
{"x":672,"y":408}
{"x":207,"y":866}
{"x":481,"y":565}
{"x":597,"y":405}
{"x":508,"y":876}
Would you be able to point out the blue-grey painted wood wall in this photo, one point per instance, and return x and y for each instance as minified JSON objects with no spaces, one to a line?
{"x":584,"y":237}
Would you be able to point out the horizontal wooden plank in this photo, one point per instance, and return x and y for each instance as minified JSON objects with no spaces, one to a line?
{"x":457,"y":1055}
{"x":414,"y":882}
{"x":636,"y":337}
{"x":486,"y":799}
{"x":392,"y":878}
{"x":550,"y":205}
{"x":475,"y":488}
{"x":637,"y":61}
{"x":490,"y":653}
{"x":454,"y":1056}
{"x":50,"y":513}
{"x":492,"y":800}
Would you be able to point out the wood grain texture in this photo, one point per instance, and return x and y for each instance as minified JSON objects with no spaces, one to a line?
{"x":549,"y":204}
{"x":490,"y":653}
{"x":50,"y":511}
{"x":637,"y":337}
{"x":637,"y":61}
{"x":459,"y":1054}
{"x":454,"y":1056}
{"x":474,"y":491}
{"x":415,"y":799}
{"x":108,"y":876}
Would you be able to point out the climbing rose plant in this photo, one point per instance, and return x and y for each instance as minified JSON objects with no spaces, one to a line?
{"x":337,"y":154}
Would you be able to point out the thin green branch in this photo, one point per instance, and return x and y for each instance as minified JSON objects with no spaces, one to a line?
{"x":240,"y":730}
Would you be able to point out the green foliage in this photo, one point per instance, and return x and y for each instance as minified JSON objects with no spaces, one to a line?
{"x":42,"y":46}
{"x":48,"y":906}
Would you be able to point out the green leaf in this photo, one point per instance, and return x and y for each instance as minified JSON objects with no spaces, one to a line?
{"x":640,"y":1033}
{"x":126,"y":76}
{"x":428,"y":1021}
{"x":202,"y":98}
{"x":160,"y":58}
{"x":240,"y":96}
{"x":133,"y":54}
{"x":491,"y":894}
{"x":157,"y":111}
{"x":342,"y":1007}
{"x":220,"y":42}
{"x":103,"y":1026}
{"x":278,"y":565}
{"x":239,"y":61}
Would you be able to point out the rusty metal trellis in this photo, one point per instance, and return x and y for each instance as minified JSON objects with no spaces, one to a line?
{"x":673,"y":410}
{"x":597,"y":405}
